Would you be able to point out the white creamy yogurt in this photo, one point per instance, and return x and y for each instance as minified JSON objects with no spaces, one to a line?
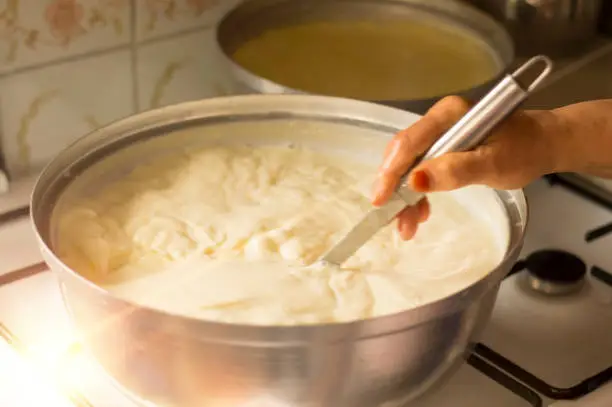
{"x":222,"y":233}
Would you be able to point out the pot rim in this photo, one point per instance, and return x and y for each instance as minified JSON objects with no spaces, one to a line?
{"x":447,"y":8}
{"x":58,"y":171}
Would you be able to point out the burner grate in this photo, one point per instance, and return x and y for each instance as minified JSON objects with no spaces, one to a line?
{"x":602,"y":275}
{"x":556,"y":393}
{"x":584,"y":188}
{"x":597,"y":233}
{"x":590,"y":192}
{"x":500,"y":364}
{"x":494,"y":373}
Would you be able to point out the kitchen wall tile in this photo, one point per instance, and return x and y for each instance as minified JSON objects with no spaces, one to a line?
{"x":38,"y":31}
{"x":170,"y":71}
{"x":156,"y":18}
{"x":46,"y":109}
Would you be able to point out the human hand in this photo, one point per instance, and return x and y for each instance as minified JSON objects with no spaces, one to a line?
{"x":521,"y":149}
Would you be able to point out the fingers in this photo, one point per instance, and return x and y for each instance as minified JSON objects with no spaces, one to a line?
{"x":409,"y":219}
{"x":410,"y":143}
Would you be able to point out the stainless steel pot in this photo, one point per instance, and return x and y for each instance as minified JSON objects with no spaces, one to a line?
{"x":176,"y":361}
{"x":252,"y":17}
{"x":553,"y":27}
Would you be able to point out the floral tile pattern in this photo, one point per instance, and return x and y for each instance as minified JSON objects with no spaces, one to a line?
{"x":172,"y":71}
{"x":70,"y":66}
{"x":44,"y":110}
{"x":156,"y":18}
{"x":38,"y":31}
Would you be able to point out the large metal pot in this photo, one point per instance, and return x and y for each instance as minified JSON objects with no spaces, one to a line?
{"x":252,"y":17}
{"x":176,"y":361}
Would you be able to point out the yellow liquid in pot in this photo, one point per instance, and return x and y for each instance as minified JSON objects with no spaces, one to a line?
{"x":371,"y":61}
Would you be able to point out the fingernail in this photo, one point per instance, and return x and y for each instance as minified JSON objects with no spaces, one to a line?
{"x":420,"y":181}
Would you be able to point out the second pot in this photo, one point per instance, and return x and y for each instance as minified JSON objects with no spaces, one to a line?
{"x":253,"y":18}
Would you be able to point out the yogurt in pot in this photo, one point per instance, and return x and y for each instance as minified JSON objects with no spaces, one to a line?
{"x":222,"y":233}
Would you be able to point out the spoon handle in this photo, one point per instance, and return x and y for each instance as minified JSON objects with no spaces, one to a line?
{"x":477,"y":124}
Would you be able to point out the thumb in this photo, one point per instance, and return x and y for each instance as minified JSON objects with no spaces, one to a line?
{"x":484,"y":166}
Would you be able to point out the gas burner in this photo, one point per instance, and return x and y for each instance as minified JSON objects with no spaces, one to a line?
{"x":553,"y":272}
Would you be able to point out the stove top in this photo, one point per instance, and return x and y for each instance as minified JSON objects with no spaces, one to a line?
{"x":548,"y":342}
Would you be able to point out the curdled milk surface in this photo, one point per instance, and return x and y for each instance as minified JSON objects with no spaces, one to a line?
{"x":222,"y":234}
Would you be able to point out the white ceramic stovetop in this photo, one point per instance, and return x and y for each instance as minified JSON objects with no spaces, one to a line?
{"x":562,"y":341}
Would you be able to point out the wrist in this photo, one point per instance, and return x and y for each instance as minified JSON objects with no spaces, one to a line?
{"x":557,"y":133}
{"x":587,"y":137}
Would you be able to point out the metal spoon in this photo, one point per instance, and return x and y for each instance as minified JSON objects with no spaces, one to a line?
{"x":469,"y":132}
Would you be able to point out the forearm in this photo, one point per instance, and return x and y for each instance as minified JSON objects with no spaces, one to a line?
{"x":583,"y":141}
